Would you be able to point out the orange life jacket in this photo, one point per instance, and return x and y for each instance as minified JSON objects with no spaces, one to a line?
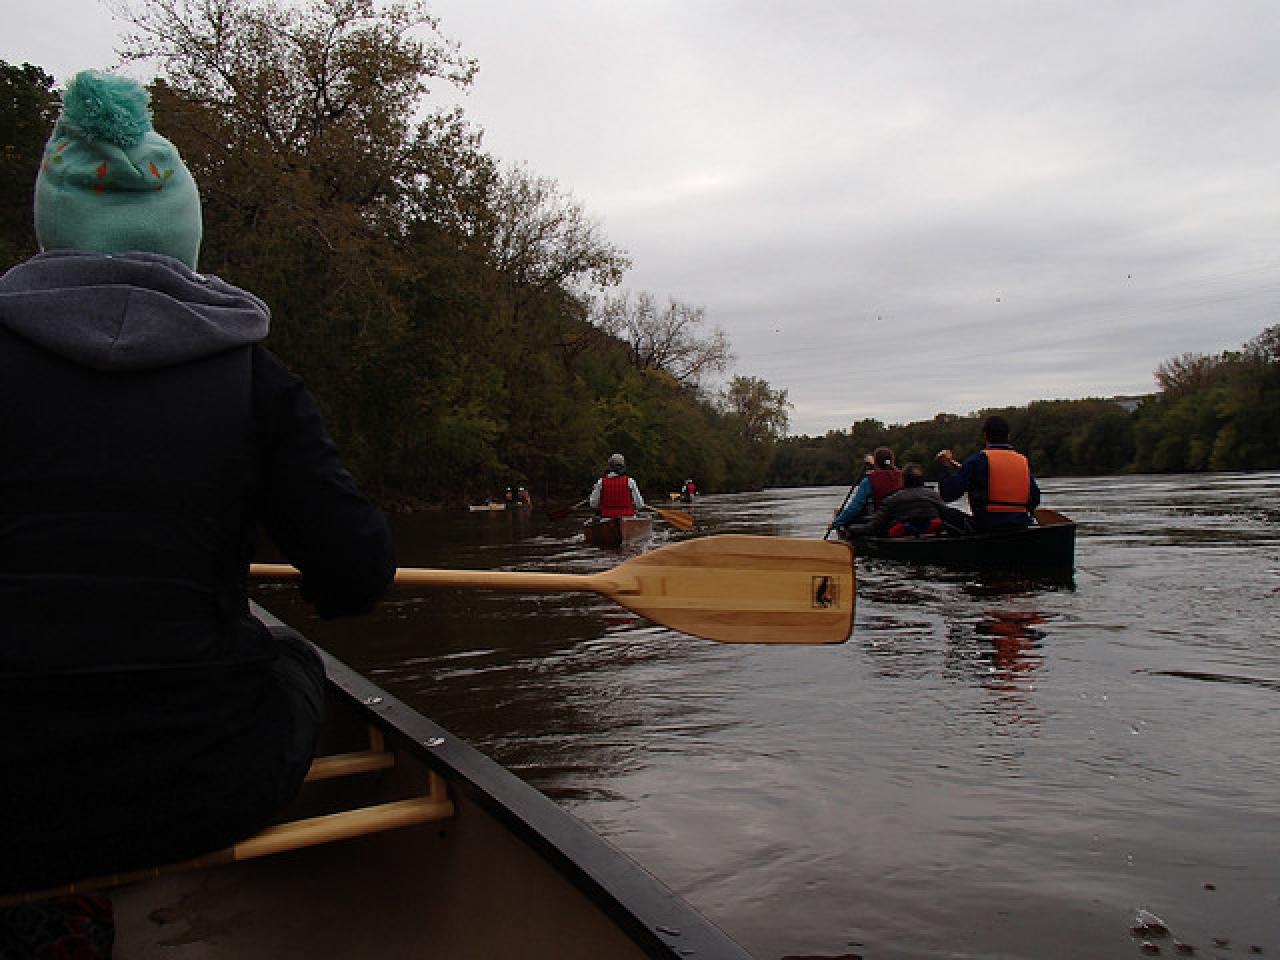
{"x":1008,"y":482}
{"x":883,"y":483}
{"x":615,"y":496}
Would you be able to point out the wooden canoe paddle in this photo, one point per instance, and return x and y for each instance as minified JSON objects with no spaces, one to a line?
{"x":1047,"y":518}
{"x":729,"y":588}
{"x":680,"y":519}
{"x":561,"y":512}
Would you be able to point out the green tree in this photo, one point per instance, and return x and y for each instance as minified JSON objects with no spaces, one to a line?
{"x":298,"y":123}
{"x":28,"y":107}
{"x":758,"y":416}
{"x":760,"y":411}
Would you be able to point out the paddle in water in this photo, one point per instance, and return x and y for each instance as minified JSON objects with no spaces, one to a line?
{"x":728,"y":588}
{"x":559,"y":513}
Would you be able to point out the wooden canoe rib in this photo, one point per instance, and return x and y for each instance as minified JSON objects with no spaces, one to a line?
{"x":406,"y":842}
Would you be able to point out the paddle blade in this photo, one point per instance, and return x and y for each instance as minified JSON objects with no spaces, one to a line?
{"x":679,"y":519}
{"x":1047,"y":518}
{"x":743,"y":589}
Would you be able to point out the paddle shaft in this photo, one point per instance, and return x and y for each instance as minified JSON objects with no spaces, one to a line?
{"x":845,"y":502}
{"x":561,"y":512}
{"x":509,"y":581}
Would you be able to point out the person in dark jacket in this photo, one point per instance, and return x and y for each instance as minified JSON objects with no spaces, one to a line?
{"x":148,"y":439}
{"x":1002,"y":490}
{"x":913,"y":511}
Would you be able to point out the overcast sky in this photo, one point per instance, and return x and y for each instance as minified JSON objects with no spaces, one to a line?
{"x":893,"y":208}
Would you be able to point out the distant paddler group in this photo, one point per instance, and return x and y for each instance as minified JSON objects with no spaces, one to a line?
{"x":891,"y":512}
{"x":688,"y":491}
{"x":517,"y":499}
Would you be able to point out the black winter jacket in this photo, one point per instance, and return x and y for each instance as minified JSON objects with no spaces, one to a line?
{"x":918,"y":504}
{"x":145,"y":439}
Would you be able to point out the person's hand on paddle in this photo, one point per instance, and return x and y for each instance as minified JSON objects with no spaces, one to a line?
{"x":947,"y":459}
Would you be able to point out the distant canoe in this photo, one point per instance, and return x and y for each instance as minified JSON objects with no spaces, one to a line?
{"x":616,"y":531}
{"x":481,"y":507}
{"x":1042,"y":548}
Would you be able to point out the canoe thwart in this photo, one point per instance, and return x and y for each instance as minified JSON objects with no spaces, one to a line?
{"x":432,"y":806}
{"x":345,"y":825}
{"x":376,"y":758}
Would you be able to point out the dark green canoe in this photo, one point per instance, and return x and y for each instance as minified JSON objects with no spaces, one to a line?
{"x":1044,"y":548}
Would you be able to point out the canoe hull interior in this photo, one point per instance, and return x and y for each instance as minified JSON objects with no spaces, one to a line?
{"x":509,"y":874}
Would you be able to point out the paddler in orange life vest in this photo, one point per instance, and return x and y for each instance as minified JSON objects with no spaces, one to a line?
{"x":616,"y":494}
{"x":1002,"y":492}
{"x":881,"y":478}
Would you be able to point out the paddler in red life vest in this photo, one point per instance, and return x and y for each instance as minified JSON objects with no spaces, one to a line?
{"x":1002,"y":492}
{"x":879,"y":481}
{"x":616,"y":494}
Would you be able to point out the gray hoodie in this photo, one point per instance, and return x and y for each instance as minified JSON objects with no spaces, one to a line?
{"x":126,"y":312}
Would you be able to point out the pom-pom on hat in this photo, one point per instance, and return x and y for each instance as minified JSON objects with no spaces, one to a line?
{"x":109,"y":183}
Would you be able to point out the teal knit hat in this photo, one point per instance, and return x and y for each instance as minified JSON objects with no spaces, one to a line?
{"x":109,"y":183}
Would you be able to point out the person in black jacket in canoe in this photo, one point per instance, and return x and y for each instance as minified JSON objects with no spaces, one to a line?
{"x":147,"y":438}
{"x":913,"y":511}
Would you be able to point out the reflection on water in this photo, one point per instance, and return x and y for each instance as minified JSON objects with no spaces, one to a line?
{"x":990,"y":767}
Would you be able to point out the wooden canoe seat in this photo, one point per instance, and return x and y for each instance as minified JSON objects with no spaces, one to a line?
{"x":432,"y":806}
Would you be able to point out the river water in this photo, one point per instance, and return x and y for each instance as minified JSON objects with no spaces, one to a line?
{"x":988,"y":768}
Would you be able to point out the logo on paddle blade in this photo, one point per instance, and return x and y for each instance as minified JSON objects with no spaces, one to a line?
{"x":826,"y":592}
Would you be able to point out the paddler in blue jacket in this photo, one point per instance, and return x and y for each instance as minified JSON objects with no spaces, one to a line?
{"x":881,"y":478}
{"x":1002,"y":490}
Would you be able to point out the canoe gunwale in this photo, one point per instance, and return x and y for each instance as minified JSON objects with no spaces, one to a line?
{"x":658,"y":920}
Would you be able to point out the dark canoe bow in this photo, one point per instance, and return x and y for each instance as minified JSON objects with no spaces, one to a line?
{"x":407,"y":842}
{"x":1042,"y":548}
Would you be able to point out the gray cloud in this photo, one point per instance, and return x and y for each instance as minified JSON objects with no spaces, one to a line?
{"x":906,"y":208}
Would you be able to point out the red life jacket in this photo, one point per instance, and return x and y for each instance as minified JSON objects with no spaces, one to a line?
{"x":883,"y":483}
{"x":615,"y":496}
{"x":916,"y":528}
{"x":1008,"y":481}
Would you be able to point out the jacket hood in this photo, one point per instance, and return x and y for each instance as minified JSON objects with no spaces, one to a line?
{"x":134,"y":311}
